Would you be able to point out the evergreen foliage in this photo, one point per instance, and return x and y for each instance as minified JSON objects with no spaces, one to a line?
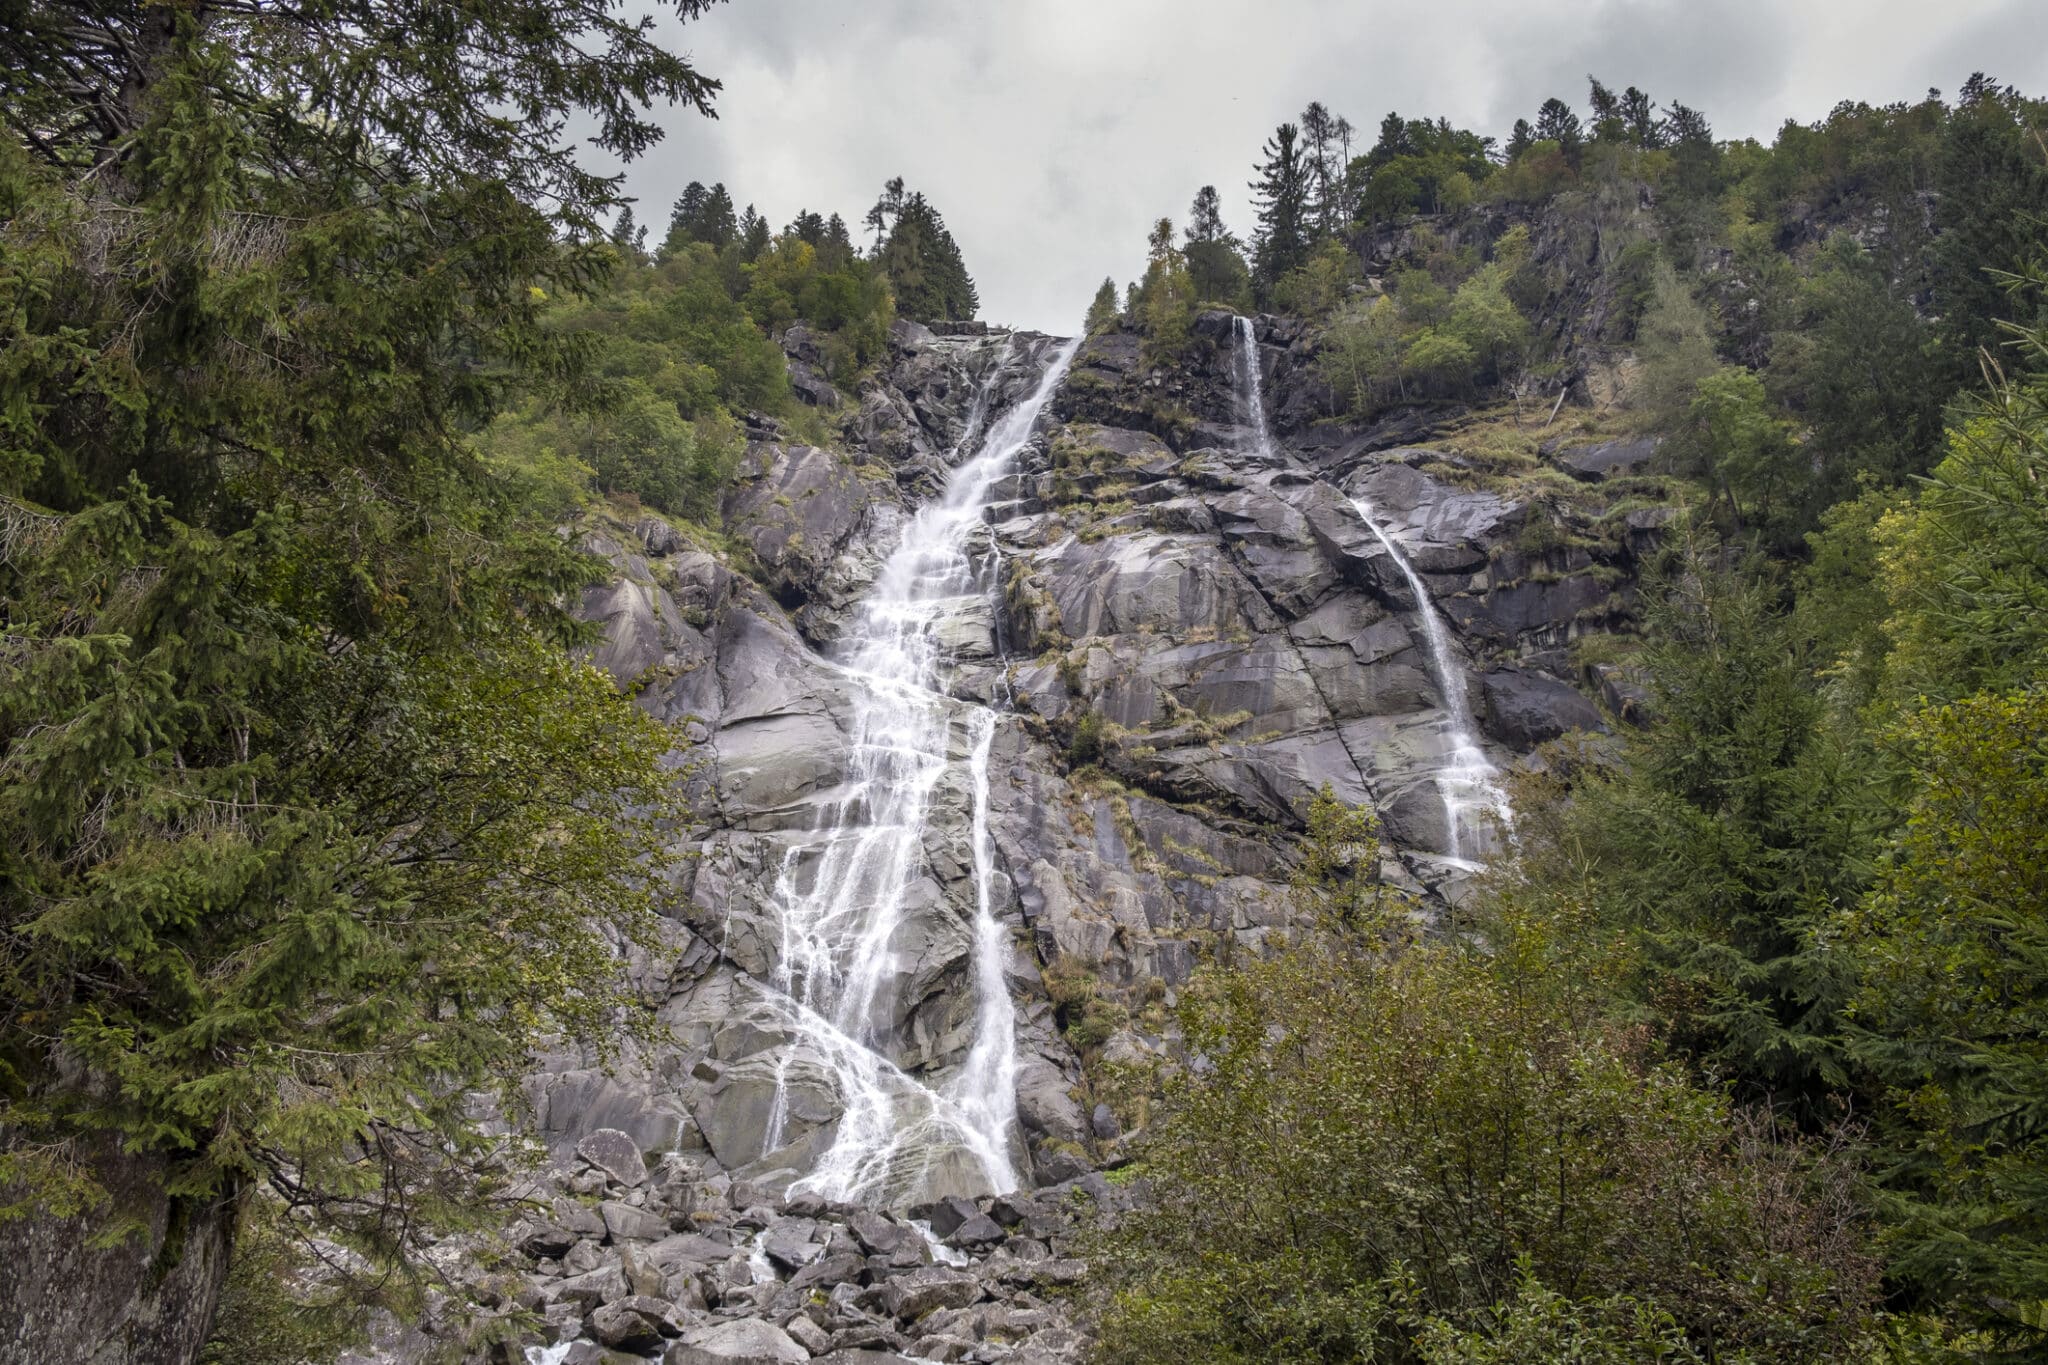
{"x":1215,"y":258}
{"x":312,"y":828}
{"x":1102,"y":309}
{"x":923,"y":262}
{"x":1281,"y":193}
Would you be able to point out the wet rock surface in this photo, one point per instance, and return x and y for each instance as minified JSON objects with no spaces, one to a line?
{"x":1184,"y":640}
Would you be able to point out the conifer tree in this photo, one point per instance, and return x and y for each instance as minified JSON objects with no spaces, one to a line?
{"x":1102,"y":311}
{"x":715,"y":223}
{"x":753,"y":235}
{"x":1326,"y":176}
{"x":309,"y":827}
{"x":925,"y":269}
{"x":1215,"y":261}
{"x":1555,"y":122}
{"x":627,"y":235}
{"x":1520,"y":139}
{"x":1281,"y":193}
{"x":683,"y":217}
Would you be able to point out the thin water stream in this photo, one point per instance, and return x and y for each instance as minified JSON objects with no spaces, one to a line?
{"x":1466,"y":780}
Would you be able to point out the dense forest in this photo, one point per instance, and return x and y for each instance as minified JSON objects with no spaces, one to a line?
{"x":1739,"y":1054}
{"x":323,"y":383}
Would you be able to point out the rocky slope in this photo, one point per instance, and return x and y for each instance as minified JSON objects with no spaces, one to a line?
{"x":1188,"y":633}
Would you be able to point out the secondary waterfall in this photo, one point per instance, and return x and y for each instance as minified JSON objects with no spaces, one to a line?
{"x":1251,"y":386}
{"x":841,"y":914}
{"x":1467,"y":781}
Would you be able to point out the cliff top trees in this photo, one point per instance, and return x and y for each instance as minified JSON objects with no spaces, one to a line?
{"x":923,"y":261}
{"x":1166,"y":299}
{"x":1555,"y":122}
{"x":701,"y":215}
{"x":1281,"y":193}
{"x":1102,"y":310}
{"x":1419,"y":166}
{"x":1216,"y":266}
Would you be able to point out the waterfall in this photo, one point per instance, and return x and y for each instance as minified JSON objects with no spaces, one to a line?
{"x":841,"y":914}
{"x":1466,"y":780}
{"x":1251,"y":387}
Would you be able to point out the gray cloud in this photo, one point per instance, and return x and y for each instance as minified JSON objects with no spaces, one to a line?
{"x":1052,"y":132}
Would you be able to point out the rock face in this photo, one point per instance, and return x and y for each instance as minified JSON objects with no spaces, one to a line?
{"x":1189,"y":633}
{"x":147,"y":1296}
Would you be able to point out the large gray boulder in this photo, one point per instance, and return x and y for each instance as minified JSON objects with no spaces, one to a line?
{"x":743,"y":1341}
{"x":1607,"y":459}
{"x":1527,"y":709}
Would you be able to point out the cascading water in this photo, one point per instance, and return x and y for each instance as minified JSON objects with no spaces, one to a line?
{"x":1467,"y":782}
{"x":842,"y":911}
{"x":1251,"y":386}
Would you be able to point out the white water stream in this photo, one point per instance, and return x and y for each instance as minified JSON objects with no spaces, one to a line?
{"x":845,"y":913}
{"x":1468,"y":783}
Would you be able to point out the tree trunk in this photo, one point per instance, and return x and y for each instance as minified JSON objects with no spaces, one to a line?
{"x":148,"y":1298}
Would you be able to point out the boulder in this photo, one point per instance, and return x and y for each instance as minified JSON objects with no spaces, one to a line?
{"x":1528,"y":709}
{"x":909,"y":1297}
{"x":636,"y":1324}
{"x":607,"y":1284}
{"x":978,"y":1231}
{"x":1606,"y":460}
{"x":625,"y":1223}
{"x":616,"y":1154}
{"x":743,"y":1341}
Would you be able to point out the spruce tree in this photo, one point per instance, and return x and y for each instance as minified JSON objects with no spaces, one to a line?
{"x":309,"y":826}
{"x":1281,"y":193}
{"x":683,"y":217}
{"x":715,"y":224}
{"x":1520,"y":139}
{"x":1205,"y":217}
{"x":1555,"y":122}
{"x":1215,"y":262}
{"x":1102,"y":311}
{"x":925,"y":269}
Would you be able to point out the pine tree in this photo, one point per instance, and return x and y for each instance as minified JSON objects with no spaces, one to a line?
{"x":806,"y":227}
{"x":885,"y":212}
{"x":752,"y":235}
{"x":1102,"y":312}
{"x":1555,"y":122}
{"x":1639,"y":120}
{"x":923,"y":262}
{"x":627,"y":235}
{"x":1281,"y":193}
{"x":1737,"y":825}
{"x":1992,"y":179}
{"x":1326,"y":176}
{"x":1168,"y":295}
{"x":683,"y":217}
{"x":715,"y":223}
{"x":1520,"y":139}
{"x":1205,"y":217}
{"x":309,"y":826}
{"x":1215,"y":262}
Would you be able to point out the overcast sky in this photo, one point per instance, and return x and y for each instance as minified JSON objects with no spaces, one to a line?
{"x":1051,"y":133}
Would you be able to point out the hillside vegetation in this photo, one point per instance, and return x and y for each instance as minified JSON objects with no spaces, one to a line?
{"x":1781,"y":948}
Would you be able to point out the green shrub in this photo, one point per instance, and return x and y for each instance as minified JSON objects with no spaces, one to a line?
{"x":1385,"y":1140}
